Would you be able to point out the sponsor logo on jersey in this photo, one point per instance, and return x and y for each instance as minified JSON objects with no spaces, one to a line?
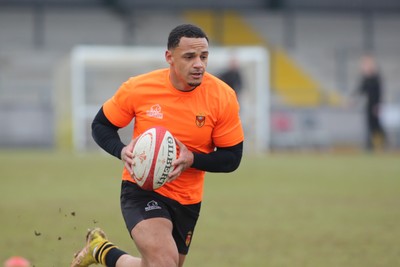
{"x":155,"y":112}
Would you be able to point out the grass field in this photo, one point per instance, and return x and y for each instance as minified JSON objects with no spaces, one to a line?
{"x":278,"y":210}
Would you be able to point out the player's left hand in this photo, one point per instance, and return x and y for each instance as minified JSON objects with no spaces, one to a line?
{"x":183,"y":162}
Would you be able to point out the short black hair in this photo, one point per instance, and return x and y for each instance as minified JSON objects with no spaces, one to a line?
{"x":184,"y":30}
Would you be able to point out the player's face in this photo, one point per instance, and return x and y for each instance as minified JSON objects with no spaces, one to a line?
{"x":188,"y":63}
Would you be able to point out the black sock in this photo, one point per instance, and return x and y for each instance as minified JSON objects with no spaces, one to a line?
{"x":112,"y":256}
{"x":107,"y":254}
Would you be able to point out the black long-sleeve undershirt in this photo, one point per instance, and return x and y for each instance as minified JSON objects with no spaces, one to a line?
{"x":105,"y":134}
{"x":223,"y":159}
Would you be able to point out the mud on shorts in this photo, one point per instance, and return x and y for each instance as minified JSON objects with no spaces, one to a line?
{"x":138,"y":204}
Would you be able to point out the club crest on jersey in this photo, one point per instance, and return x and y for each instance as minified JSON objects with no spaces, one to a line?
{"x":200,"y":120}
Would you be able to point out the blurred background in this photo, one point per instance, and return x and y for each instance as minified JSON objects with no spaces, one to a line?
{"x":300,"y":74}
{"x":309,"y":98}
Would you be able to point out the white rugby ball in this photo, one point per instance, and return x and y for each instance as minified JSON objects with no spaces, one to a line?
{"x":153,"y":153}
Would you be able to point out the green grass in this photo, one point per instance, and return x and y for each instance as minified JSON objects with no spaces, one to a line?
{"x":279,"y":210}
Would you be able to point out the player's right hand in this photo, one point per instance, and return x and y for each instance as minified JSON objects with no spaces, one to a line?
{"x":127,"y":156}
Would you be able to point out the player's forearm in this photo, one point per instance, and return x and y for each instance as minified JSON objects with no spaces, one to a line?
{"x":105,"y":134}
{"x":221,"y":160}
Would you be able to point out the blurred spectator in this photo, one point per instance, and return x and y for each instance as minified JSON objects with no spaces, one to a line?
{"x":232,"y":76}
{"x":370,"y":86}
{"x":17,"y":261}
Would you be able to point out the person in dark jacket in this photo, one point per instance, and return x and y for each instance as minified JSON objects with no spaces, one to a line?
{"x":232,"y":76}
{"x":371,"y":87}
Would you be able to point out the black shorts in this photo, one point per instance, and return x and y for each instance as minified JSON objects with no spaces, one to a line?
{"x":138,"y":204}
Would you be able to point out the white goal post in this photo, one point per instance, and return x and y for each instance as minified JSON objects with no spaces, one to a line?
{"x":98,"y":71}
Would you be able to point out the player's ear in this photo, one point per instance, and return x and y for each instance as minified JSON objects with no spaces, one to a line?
{"x":168,"y":57}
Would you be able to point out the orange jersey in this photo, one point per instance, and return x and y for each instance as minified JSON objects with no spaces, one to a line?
{"x":202,"y":119}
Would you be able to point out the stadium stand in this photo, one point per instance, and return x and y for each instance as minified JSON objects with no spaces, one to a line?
{"x":290,"y":81}
{"x":316,"y":50}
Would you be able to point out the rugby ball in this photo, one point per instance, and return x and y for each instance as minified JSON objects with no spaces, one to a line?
{"x":153,"y":153}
